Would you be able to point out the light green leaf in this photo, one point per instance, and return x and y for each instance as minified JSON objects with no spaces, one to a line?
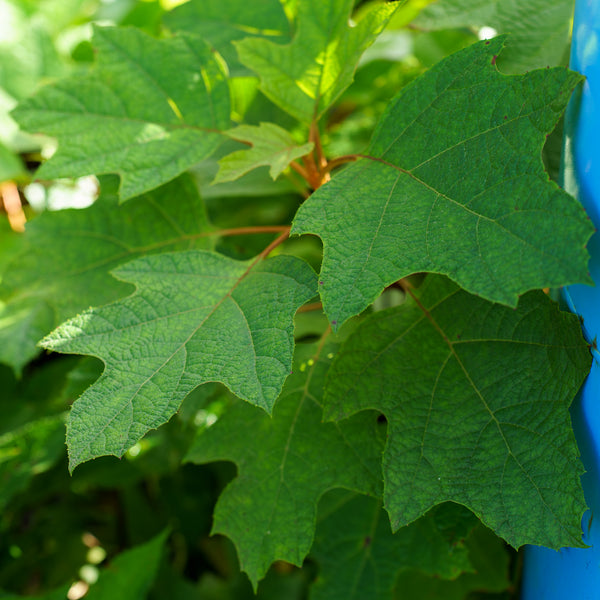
{"x":476,"y":396}
{"x":453,"y":183}
{"x":196,"y":317}
{"x":491,"y":565}
{"x":306,"y":76}
{"x":148,"y":110}
{"x":271,"y":145}
{"x":220,"y":23}
{"x":539,"y":30}
{"x":130,"y":575}
{"x":286,"y":464}
{"x":11,"y":166}
{"x":66,"y":261}
{"x":359,"y":557}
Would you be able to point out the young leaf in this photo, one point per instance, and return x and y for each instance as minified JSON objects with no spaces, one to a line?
{"x":66,"y":262}
{"x":453,"y":183}
{"x":476,"y":396}
{"x":539,"y":30}
{"x":148,"y":110}
{"x":221,"y":23}
{"x":271,"y":145}
{"x":306,"y":76}
{"x":196,"y":317}
{"x":359,"y":557}
{"x":289,"y":461}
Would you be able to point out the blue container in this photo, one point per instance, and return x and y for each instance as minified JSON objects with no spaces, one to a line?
{"x":574,"y":573}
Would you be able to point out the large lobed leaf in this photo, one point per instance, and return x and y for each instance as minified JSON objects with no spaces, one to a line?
{"x":196,"y":317}
{"x":149,"y":110}
{"x":286,"y":463}
{"x":307,"y":75}
{"x":453,"y":183}
{"x":65,"y":258}
{"x":476,"y":396}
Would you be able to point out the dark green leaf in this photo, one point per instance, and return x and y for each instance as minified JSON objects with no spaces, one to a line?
{"x":130,"y":575}
{"x":359,"y":557}
{"x":490,"y":561}
{"x":285,"y":464}
{"x":476,"y":396}
{"x":453,"y":183}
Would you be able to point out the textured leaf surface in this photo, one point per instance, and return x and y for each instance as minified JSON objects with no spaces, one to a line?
{"x":196,"y":317}
{"x":130,"y":575}
{"x":306,"y":76}
{"x":476,"y":396}
{"x":539,"y":31}
{"x":65,"y":264}
{"x":286,"y":464}
{"x":491,"y":573}
{"x":271,"y":145}
{"x":455,"y":185}
{"x":148,"y":110}
{"x":359,"y":557}
{"x":220,"y":23}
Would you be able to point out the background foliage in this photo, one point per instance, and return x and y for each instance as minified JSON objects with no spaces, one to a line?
{"x":393,"y":427}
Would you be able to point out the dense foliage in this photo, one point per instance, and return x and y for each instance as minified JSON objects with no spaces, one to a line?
{"x":308,"y":306}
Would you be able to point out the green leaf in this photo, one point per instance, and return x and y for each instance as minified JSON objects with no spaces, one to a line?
{"x":306,"y":76}
{"x":286,"y":464}
{"x":149,"y":110}
{"x":539,"y":31}
{"x":195,"y":317}
{"x":68,"y":255}
{"x":271,"y":145}
{"x":28,"y":451}
{"x":130,"y":575}
{"x":11,"y":166}
{"x":221,"y":23}
{"x":56,"y":594}
{"x":453,"y":183}
{"x":359,"y":557}
{"x":491,"y":565}
{"x":476,"y":396}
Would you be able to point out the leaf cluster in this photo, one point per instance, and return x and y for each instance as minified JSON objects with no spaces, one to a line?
{"x":307,"y":305}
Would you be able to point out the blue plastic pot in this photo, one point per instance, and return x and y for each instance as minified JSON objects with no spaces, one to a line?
{"x":574,"y":573}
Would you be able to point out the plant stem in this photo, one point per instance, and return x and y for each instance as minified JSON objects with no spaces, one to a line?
{"x":310,"y":307}
{"x":250,"y":230}
{"x":276,"y":242}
